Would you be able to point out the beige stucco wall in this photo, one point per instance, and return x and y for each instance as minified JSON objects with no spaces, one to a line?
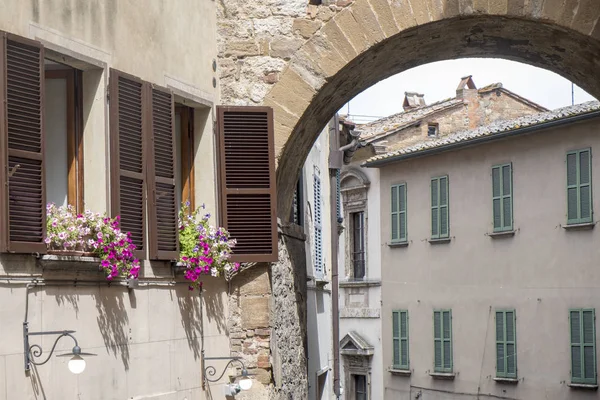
{"x":541,"y":272}
{"x":148,"y":340}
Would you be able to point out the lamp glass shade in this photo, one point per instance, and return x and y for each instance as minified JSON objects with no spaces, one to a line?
{"x":76,"y":364}
{"x":245,"y":383}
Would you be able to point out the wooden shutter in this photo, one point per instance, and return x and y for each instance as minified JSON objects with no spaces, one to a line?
{"x":506,"y":352}
{"x":399,"y":233}
{"x":162,"y":211}
{"x":442,"y":337}
{"x":318,"y":226}
{"x":502,"y":197}
{"x":247,"y":181}
{"x":579,"y":186}
{"x":440,"y":227}
{"x":583,"y":346}
{"x":22,"y":182}
{"x":400,"y":339}
{"x":128,"y":130}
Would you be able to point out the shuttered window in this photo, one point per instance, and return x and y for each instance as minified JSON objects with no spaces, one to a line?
{"x":442,"y":338}
{"x":247,"y":181}
{"x":398,"y":218}
{"x":579,"y":186}
{"x":502,"y":197}
{"x":506,"y":344}
{"x":161,"y":176}
{"x":358,"y":244}
{"x":22,"y":184}
{"x":338,"y":196}
{"x":318,"y":226}
{"x":440,"y":227}
{"x":400,"y":339}
{"x":128,"y":128}
{"x":583,"y":345}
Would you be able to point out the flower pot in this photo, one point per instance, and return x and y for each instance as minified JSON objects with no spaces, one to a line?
{"x":71,"y":253}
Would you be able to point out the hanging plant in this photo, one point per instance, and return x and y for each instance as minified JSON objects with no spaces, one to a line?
{"x":204,"y":249}
{"x":67,"y":231}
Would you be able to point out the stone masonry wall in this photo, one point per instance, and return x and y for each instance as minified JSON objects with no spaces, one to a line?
{"x":256,"y":39}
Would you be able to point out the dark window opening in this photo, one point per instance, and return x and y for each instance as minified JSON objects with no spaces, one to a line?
{"x":358,"y":244}
{"x":433,"y":130}
{"x":315,"y":2}
{"x":297,"y":209}
{"x":360,"y":387}
{"x":184,"y":168}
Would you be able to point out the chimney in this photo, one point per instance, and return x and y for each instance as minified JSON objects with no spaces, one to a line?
{"x":413,"y":100}
{"x":467,"y":82}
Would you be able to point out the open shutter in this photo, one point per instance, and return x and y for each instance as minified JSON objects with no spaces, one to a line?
{"x":399,"y":213}
{"x":22,"y":189}
{"x":444,"y":226}
{"x":128,"y":129}
{"x":502,"y":197}
{"x":447,"y":332}
{"x":435,"y":210}
{"x":396,"y":338}
{"x":511,"y":344}
{"x":404,"y":340}
{"x":162,"y":213}
{"x":576,"y":353}
{"x":579,"y":186}
{"x":247,"y":181}
{"x":583,"y":346}
{"x":437,"y":341}
{"x":318,"y":224}
{"x":500,"y":345}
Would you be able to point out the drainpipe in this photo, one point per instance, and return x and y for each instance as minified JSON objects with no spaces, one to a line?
{"x":335,"y":163}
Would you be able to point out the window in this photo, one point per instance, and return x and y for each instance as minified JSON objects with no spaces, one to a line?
{"x":433,"y":130}
{"x":583,"y":345}
{"x":318,"y":226}
{"x":338,"y":196}
{"x":506,"y":347}
{"x":400,"y":339}
{"x":399,"y":233}
{"x":63,"y":135}
{"x":360,"y":387}
{"x":184,"y":142}
{"x":358,"y":244}
{"x":579,"y":186}
{"x":439,"y":208}
{"x":297,"y":205}
{"x":442,"y":337}
{"x":245,"y":143}
{"x":502,"y":197}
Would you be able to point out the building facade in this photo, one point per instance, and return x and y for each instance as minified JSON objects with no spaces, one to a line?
{"x":362,"y":347}
{"x":489,"y":287}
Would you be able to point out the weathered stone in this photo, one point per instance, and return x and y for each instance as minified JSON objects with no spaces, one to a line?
{"x":586,"y":17}
{"x":403,"y":14}
{"x":262,"y":332}
{"x":368,"y":21}
{"x":339,"y":40}
{"x":285,"y":48}
{"x":305,"y":27}
{"x":385,"y":18}
{"x":237,"y":336}
{"x":254,"y":281}
{"x":262,"y":375}
{"x":320,"y":50}
{"x":291,"y":8}
{"x":250,"y":333}
{"x":498,"y":7}
{"x":264,"y":345}
{"x":420,"y":11}
{"x":353,"y":31}
{"x":274,"y":26}
{"x":515,"y":7}
{"x":242,"y":49}
{"x":292,"y":92}
{"x":326,"y":13}
{"x":263,"y":361}
{"x":255,"y":312}
{"x":271,"y":78}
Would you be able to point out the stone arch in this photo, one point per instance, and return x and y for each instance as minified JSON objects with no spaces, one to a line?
{"x":370,"y":40}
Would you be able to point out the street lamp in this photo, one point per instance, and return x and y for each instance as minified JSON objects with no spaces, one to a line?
{"x":76,"y":363}
{"x":245,"y":383}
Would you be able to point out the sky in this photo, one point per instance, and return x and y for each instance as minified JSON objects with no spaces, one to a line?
{"x":438,"y":81}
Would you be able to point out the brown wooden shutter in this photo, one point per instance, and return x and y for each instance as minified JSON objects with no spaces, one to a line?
{"x":22,"y":181}
{"x":162,"y":213}
{"x":247,"y":181}
{"x":128,"y":129}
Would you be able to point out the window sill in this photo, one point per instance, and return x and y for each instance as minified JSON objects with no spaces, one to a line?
{"x":439,"y":241}
{"x":513,"y":381}
{"x":583,"y":386}
{"x":399,"y":372}
{"x":398,"y":244}
{"x":579,"y":227}
{"x":70,"y":264}
{"x":359,"y":283}
{"x":501,"y":234}
{"x":443,"y":375}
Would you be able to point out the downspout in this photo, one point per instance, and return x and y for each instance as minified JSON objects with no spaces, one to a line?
{"x":334,"y":165}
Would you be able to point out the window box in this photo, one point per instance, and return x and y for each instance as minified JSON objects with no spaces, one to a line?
{"x":443,"y":375}
{"x":399,"y":372}
{"x":579,"y":227}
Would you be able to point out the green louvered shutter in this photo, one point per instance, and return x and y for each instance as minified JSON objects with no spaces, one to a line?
{"x":442,"y":337}
{"x":506,"y":348}
{"x":440,"y":227}
{"x":579,"y":186}
{"x":583,"y":346}
{"x":400,"y":339}
{"x":398,"y":214}
{"x":502,"y":193}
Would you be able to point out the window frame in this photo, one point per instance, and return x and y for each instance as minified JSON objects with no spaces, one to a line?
{"x":354,"y":388}
{"x":501,"y":196}
{"x":438,"y":207}
{"x":399,"y":213}
{"x":582,"y":345}
{"x":319,"y":264}
{"x":436,"y":128}
{"x":187,"y":154}
{"x":400,"y":337}
{"x":442,"y":369}
{"x":361,"y":233}
{"x":505,"y":343}
{"x":578,"y":185}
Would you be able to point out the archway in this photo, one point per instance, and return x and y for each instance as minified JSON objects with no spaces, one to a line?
{"x":363,"y":44}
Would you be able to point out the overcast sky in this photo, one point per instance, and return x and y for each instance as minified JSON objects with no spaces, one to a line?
{"x":438,"y":81}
